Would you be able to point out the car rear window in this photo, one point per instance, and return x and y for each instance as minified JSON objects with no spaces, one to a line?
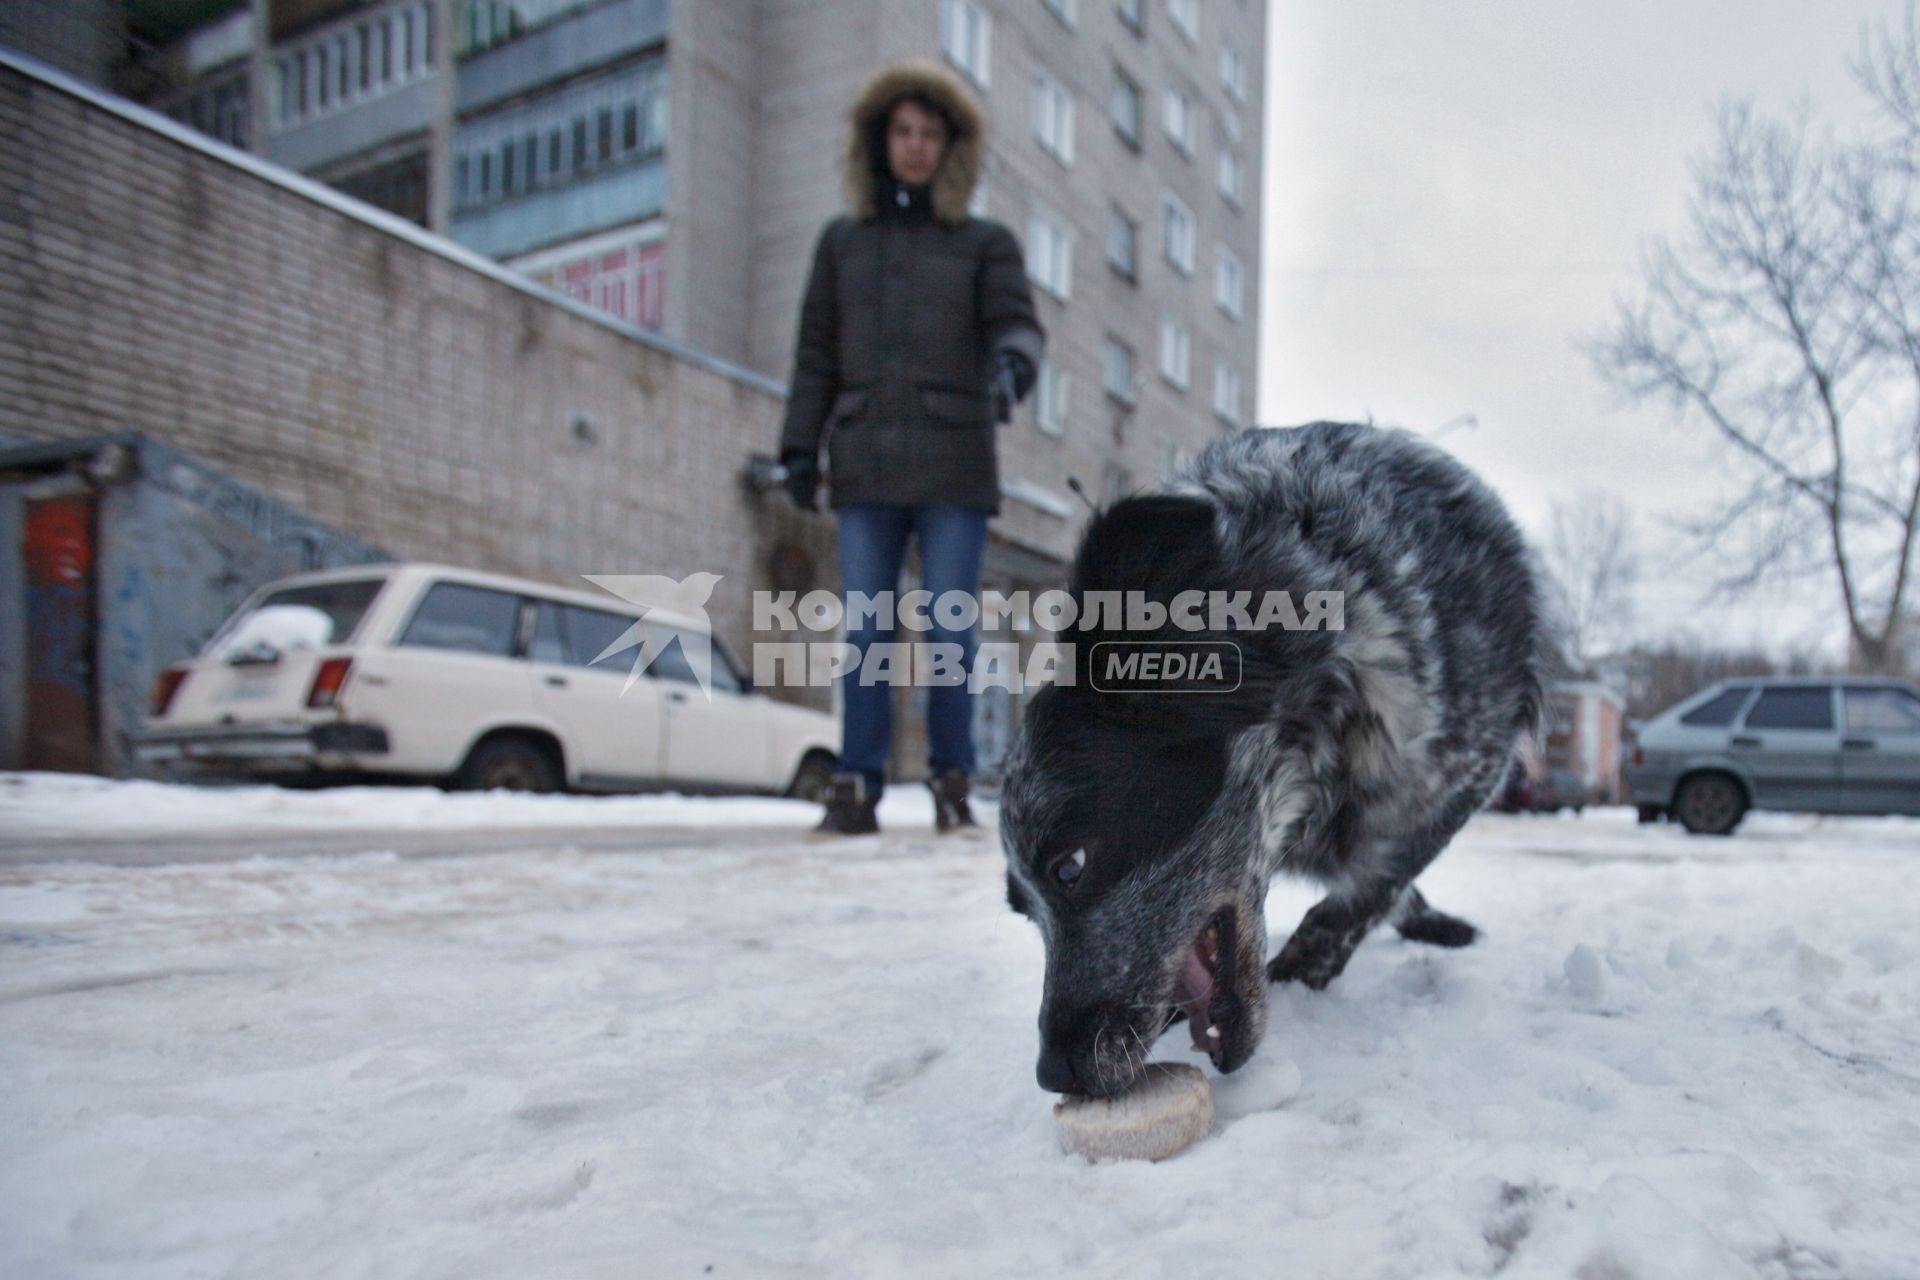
{"x":320,"y":613}
{"x":1882,"y":711}
{"x":1718,"y":711}
{"x":470,"y":619}
{"x":1809,"y":708}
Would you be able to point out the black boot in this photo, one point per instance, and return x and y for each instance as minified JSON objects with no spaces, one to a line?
{"x":950,"y":811}
{"x":850,"y":810}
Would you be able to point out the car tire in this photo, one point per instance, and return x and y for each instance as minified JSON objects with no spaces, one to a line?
{"x":1710,"y":804}
{"x":509,"y":764}
{"x":813,"y":779}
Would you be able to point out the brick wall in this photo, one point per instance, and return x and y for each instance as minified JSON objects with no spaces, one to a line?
{"x":384,"y":383}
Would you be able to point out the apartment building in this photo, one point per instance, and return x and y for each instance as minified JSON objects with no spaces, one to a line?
{"x":670,"y":163}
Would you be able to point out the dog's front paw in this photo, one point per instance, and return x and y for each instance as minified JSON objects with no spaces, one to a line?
{"x":1311,"y":959}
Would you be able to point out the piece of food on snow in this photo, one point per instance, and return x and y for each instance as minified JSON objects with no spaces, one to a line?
{"x":1169,"y":1110}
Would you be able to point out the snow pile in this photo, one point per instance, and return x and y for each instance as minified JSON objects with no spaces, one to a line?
{"x":1666,"y":1057}
{"x":282,"y":628}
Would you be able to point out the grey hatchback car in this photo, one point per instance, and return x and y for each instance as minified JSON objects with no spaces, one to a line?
{"x":1811,"y":744}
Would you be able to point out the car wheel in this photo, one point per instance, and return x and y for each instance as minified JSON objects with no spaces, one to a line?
{"x":509,"y":764}
{"x":1710,"y":804}
{"x":813,"y":780}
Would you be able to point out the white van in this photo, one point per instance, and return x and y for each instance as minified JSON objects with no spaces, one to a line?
{"x":480,"y":681}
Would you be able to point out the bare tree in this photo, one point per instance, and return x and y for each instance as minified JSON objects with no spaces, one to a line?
{"x":1788,"y":321}
{"x":1593,"y":568}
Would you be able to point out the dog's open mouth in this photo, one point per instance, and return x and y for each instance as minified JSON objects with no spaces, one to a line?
{"x":1206,"y":994}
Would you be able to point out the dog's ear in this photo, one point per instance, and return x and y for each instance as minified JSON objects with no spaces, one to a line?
{"x":1155,"y":547}
{"x":1160,"y":544}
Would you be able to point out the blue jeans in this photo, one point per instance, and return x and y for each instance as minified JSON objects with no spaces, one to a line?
{"x":873,"y":546}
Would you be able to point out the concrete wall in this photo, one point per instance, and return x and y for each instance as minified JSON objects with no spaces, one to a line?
{"x":362,"y":372}
{"x":84,"y":38}
{"x":13,"y":630}
{"x":177,"y":547}
{"x":712,"y":71}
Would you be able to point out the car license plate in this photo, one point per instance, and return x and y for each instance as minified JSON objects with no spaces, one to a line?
{"x":251,"y":690}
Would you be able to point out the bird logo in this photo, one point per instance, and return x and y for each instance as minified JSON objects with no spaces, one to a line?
{"x":687,"y":597}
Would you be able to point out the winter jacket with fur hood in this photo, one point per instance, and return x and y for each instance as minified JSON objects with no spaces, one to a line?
{"x":906,"y":302}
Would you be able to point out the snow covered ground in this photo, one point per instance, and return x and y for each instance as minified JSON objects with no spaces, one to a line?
{"x":72,"y":804}
{"x":1667,"y":1057}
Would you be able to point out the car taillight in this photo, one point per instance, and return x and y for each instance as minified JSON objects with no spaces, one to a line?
{"x":327,"y":682}
{"x":165,"y":685}
{"x":1639,"y":756}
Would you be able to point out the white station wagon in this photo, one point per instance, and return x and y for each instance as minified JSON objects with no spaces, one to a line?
{"x":477,"y":680}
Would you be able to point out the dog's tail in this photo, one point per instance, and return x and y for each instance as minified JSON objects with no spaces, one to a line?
{"x":1542,"y":654}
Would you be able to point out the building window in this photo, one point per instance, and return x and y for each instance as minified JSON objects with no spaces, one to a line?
{"x":1175,"y":350}
{"x":402,"y":41}
{"x":1050,"y":399}
{"x":966,"y":37}
{"x":1068,"y":11}
{"x":1116,"y":370}
{"x":1053,"y":117}
{"x":1178,"y":115}
{"x":1228,"y":281}
{"x":1132,"y":15}
{"x":485,"y":23}
{"x":1233,"y":72}
{"x":623,"y":280}
{"x":1123,"y":236}
{"x":1177,"y":237}
{"x":322,"y":82}
{"x":1050,"y":254}
{"x":399,"y":187}
{"x":1186,"y":18}
{"x":583,"y":129}
{"x":1226,"y":392}
{"x":1126,"y":108}
{"x":1231,"y":172}
{"x":220,"y":108}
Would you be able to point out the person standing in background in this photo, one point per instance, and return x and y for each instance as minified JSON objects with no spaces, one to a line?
{"x":917,"y":337}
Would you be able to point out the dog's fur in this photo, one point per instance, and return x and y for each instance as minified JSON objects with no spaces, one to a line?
{"x":1350,"y":756}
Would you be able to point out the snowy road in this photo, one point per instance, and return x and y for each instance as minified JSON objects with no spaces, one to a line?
{"x":752,"y":1056}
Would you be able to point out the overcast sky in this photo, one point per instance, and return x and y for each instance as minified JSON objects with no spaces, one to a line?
{"x":1458,"y":192}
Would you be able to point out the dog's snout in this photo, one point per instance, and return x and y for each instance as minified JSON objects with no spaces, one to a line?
{"x":1055,"y":1071}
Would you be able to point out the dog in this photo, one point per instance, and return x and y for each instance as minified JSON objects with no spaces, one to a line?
{"x":1142,"y":828}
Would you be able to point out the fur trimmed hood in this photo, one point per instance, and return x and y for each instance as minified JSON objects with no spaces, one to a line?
{"x":862,"y":165}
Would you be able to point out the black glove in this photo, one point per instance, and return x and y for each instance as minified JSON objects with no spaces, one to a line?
{"x":1008,"y":383}
{"x":803,"y":479}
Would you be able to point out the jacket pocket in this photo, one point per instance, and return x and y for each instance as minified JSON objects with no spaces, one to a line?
{"x":953,"y":407}
{"x":847,"y":406}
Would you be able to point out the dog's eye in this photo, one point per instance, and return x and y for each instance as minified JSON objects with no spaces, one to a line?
{"x":1068,"y":869}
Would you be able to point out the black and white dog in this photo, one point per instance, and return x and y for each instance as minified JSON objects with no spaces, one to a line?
{"x":1142,"y":828}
